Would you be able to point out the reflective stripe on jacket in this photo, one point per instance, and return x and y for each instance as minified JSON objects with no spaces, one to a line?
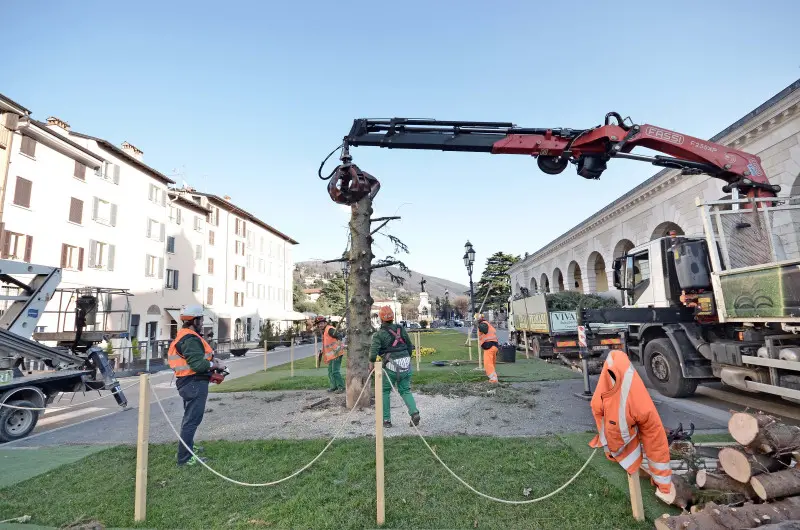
{"x":331,"y":347}
{"x":177,"y":361}
{"x":629,"y":427}
{"x":489,"y":336}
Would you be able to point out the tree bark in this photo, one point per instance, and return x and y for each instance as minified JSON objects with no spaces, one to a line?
{"x":360,"y":303}
{"x":742,"y":466}
{"x":715,"y":481}
{"x":681,"y":495}
{"x":763,"y":433}
{"x":714,"y":517}
{"x":776,"y":485}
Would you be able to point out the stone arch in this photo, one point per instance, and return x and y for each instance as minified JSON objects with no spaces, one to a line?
{"x":533,"y":285}
{"x":663,"y":230}
{"x":596,"y":272}
{"x":558,"y":281}
{"x":574,"y":277}
{"x":622,"y":247}
{"x":544,"y":281}
{"x":153,"y":310}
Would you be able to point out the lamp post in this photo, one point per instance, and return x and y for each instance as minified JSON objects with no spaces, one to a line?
{"x":447,"y":305}
{"x":469,"y":260}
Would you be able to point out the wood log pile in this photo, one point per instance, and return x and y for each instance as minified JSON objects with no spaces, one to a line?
{"x":753,"y":482}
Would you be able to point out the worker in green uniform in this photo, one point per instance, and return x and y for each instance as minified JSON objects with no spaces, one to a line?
{"x":394,"y":347}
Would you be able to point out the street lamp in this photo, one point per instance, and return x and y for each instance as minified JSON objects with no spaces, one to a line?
{"x":469,"y":259}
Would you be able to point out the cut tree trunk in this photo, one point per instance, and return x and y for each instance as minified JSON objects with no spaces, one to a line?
{"x":776,"y":485}
{"x":360,"y":303}
{"x":763,"y":433}
{"x":723,"y":486}
{"x":681,"y":495}
{"x":742,"y":466}
{"x":716,"y":517}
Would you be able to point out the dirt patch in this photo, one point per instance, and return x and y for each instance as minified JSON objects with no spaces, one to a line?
{"x":499,"y":392}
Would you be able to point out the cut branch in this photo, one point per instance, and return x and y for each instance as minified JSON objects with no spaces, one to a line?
{"x":385,"y":263}
{"x":384,"y":219}
{"x":372,"y":233}
{"x":399,"y":246}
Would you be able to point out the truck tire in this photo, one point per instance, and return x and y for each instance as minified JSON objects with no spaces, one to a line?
{"x":664,"y":370}
{"x":16,"y":423}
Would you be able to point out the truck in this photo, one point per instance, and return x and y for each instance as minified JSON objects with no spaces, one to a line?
{"x":554,"y":334}
{"x":722,"y":306}
{"x":74,"y":364}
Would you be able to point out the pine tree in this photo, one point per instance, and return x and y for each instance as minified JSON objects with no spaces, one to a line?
{"x":495,"y":275}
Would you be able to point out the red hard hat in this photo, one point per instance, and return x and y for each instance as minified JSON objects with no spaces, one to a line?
{"x":386,"y":314}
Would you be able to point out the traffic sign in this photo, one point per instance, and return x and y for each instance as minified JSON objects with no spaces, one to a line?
{"x":582,"y":336}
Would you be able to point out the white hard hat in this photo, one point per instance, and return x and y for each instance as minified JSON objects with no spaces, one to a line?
{"x":190,"y":312}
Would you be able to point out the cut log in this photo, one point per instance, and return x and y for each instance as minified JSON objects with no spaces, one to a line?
{"x":743,"y":466}
{"x":716,"y":517}
{"x":776,"y":485}
{"x":764,"y":434}
{"x":719,"y":482}
{"x":681,"y":495}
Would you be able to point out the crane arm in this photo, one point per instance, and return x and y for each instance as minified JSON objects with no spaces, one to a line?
{"x":589,"y":149}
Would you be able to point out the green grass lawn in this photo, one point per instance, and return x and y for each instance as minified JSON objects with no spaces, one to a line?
{"x":339,"y":490}
{"x":449,"y":346}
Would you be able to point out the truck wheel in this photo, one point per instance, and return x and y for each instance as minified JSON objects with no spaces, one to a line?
{"x":664,"y":370}
{"x":17,"y":423}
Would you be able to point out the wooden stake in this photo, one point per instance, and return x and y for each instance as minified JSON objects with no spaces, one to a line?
{"x":142,"y":445}
{"x":291,"y":357}
{"x":265,"y":355}
{"x":470,"y":348}
{"x":635,"y":488}
{"x":525,"y":339}
{"x":379,"y":479}
{"x":419,"y":347}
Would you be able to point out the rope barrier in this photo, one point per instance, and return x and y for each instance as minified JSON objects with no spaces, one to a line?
{"x":484,"y":495}
{"x":76,"y":404}
{"x":274,"y":482}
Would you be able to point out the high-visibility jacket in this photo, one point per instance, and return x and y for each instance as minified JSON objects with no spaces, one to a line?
{"x":331,"y":347}
{"x":489,"y":336}
{"x":177,"y":361}
{"x":629,"y":427}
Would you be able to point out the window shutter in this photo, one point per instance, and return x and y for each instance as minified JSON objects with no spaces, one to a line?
{"x":80,"y":171}
{"x":175,"y":280}
{"x":179,"y":216}
{"x":28,"y":146}
{"x":95,"y":208}
{"x":151,"y":192}
{"x":211,"y":265}
{"x":64,"y":255}
{"x":111,"y":252}
{"x":163,"y":232}
{"x":113,"y":215}
{"x":116,"y":174}
{"x":243,"y":273}
{"x":171,"y":244}
{"x":210,"y":296}
{"x":28,"y":248}
{"x":80,"y":259}
{"x":163,"y":198}
{"x":76,"y":210}
{"x":160,"y":268}
{"x":92,"y":253}
{"x":244,"y":228}
{"x":147,"y":271}
{"x":22,"y":192}
{"x":149,"y":229}
{"x":210,"y":237}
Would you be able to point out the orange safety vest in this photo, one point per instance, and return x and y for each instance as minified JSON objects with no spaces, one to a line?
{"x":177,"y":361}
{"x":490,"y":336}
{"x":629,"y":427}
{"x":331,"y":348}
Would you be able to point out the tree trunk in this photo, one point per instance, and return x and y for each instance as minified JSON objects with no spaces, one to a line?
{"x":742,"y":466}
{"x":682,"y":495}
{"x":719,"y":482}
{"x":763,"y":433}
{"x":714,"y":517}
{"x":776,"y":485}
{"x":360,"y":303}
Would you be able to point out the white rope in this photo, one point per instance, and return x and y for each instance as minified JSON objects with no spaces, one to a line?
{"x":274,"y":482}
{"x":76,"y":404}
{"x":504,"y":501}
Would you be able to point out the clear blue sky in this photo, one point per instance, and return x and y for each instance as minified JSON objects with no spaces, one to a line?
{"x":247,"y":97}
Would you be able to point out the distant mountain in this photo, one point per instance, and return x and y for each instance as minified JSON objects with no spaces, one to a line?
{"x":382,"y":286}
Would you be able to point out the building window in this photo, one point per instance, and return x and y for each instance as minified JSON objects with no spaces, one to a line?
{"x":28,"y":146}
{"x":238,"y":299}
{"x":213,"y":216}
{"x":22,"y":192}
{"x":270,"y":293}
{"x":154,"y":267}
{"x":71,"y":257}
{"x":172,"y":279}
{"x":174,"y":214}
{"x":249,"y":288}
{"x":240,"y":228}
{"x":250,"y":239}
{"x":261,"y":245}
{"x":238,"y":272}
{"x":156,"y":230}
{"x":280,"y":294}
{"x":109,"y":172}
{"x":198,"y":252}
{"x":80,"y":171}
{"x":261,"y":266}
{"x":195,"y":283}
{"x":210,"y":237}
{"x":154,"y":194}
{"x":211,"y":265}
{"x":171,"y":245}
{"x":210,"y":296}
{"x":101,"y":255}
{"x":75,"y":211}
{"x":104,"y":212}
{"x":17,"y":246}
{"x":260,"y":292}
{"x":198,"y":223}
{"x":249,"y":261}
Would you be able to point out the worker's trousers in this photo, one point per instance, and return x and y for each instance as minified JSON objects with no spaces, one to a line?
{"x":335,"y":380}
{"x":194,"y":394}
{"x":489,"y":358}
{"x":402,"y":382}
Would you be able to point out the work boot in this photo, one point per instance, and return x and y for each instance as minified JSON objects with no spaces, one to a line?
{"x":339,"y":391}
{"x":195,"y":460}
{"x":387,"y":424}
{"x":198,"y":449}
{"x":331,"y":390}
{"x":414,"y":419}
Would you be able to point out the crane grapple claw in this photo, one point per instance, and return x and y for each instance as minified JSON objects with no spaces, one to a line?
{"x":349,"y":184}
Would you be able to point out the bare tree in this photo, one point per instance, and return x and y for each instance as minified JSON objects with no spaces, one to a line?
{"x":461,"y":303}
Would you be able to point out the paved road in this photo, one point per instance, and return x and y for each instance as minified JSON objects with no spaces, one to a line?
{"x":73,"y":409}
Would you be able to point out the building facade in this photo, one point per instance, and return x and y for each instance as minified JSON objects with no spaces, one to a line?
{"x":110,"y":221}
{"x":581,"y":259}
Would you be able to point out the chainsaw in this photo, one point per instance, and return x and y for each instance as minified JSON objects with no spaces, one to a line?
{"x":218,"y":376}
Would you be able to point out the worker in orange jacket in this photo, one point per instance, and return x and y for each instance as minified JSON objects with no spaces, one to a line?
{"x":629,"y":427}
{"x":487,"y":339}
